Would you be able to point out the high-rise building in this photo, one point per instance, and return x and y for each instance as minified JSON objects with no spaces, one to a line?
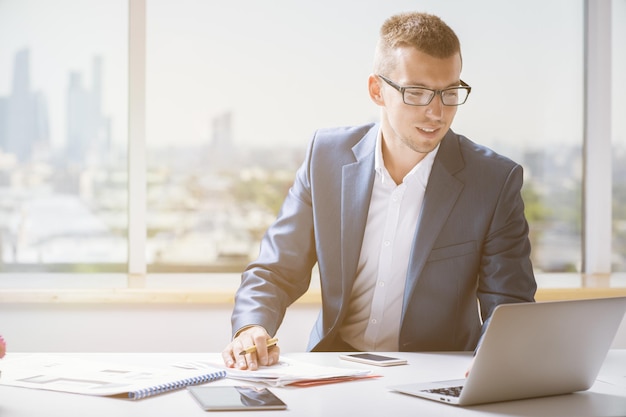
{"x":88,"y":130}
{"x":23,"y":115}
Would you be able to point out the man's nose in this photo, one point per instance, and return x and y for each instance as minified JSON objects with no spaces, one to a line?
{"x":435,"y":107}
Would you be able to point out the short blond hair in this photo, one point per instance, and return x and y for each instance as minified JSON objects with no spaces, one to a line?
{"x":425,"y":32}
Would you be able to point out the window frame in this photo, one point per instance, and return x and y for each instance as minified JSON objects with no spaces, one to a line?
{"x":597,"y":175}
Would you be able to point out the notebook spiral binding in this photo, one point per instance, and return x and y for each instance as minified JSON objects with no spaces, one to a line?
{"x":171,"y":386}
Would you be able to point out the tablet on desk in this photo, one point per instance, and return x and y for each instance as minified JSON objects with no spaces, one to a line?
{"x":233,"y":398}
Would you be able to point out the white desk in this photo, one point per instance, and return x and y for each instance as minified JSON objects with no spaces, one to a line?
{"x":356,"y":398}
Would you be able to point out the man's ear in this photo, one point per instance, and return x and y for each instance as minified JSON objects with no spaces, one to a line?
{"x":374,"y":87}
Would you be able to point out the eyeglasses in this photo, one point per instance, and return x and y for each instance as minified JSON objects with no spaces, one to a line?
{"x":422,"y":96}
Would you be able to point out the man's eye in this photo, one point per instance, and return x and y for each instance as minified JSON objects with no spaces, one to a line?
{"x":417,"y":94}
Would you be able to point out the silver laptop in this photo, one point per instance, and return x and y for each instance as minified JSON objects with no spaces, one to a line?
{"x":534,"y":350}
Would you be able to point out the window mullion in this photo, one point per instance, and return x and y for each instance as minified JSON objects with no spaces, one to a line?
{"x":597,"y":182}
{"x":137,"y":138}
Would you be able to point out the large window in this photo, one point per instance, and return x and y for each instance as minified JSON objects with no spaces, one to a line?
{"x":234,"y":91}
{"x":63,"y":135}
{"x":233,"y":98}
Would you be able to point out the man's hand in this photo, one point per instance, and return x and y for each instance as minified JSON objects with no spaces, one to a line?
{"x":252,"y":336}
{"x":469,"y":369}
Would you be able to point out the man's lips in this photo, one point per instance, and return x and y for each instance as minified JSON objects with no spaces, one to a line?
{"x":428,"y":130}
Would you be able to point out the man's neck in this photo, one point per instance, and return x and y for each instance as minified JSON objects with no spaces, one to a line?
{"x":400,"y":161}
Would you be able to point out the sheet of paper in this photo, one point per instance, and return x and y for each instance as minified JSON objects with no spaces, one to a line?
{"x":68,"y":374}
{"x":287,"y":372}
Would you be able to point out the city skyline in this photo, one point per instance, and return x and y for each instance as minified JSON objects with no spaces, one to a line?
{"x":200,"y":65}
{"x":196,"y":202}
{"x":24,"y":119}
{"x":231,"y":107}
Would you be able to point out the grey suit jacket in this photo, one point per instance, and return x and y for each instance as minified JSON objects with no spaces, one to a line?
{"x":470,"y":251}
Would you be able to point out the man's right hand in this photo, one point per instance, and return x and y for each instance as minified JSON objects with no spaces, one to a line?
{"x":251,"y":336}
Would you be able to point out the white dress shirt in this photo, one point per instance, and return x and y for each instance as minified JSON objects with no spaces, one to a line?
{"x":373,"y":320}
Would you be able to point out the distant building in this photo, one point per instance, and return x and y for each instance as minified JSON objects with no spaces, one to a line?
{"x":23,"y":114}
{"x":4,"y":108}
{"x":222,"y":150}
{"x":88,"y":130}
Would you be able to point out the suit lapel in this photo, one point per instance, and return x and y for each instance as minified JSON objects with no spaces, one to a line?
{"x":356,"y":191}
{"x":441,"y":194}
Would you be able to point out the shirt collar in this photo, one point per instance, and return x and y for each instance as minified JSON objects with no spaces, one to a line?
{"x":424,"y":166}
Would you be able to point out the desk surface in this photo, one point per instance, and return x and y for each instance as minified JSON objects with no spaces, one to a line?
{"x":363,"y":398}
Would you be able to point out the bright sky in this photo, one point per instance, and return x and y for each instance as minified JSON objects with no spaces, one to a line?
{"x":285,"y":68}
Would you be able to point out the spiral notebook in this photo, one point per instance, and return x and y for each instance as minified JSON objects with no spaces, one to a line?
{"x":80,"y":376}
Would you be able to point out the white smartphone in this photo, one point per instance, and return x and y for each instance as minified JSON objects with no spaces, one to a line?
{"x":373,"y":359}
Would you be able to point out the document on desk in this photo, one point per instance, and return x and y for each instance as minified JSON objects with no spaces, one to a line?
{"x":79,"y":376}
{"x":290,"y":372}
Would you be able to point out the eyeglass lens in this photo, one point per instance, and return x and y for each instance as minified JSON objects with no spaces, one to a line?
{"x":421,"y":96}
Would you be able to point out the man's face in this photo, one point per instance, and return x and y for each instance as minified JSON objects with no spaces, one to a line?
{"x":420,"y":128}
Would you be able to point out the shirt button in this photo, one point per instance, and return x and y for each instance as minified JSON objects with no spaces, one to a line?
{"x":373,"y":321}
{"x":386,"y":243}
{"x":381,"y":283}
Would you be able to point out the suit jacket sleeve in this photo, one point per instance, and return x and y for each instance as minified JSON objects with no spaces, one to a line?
{"x":506,"y":274}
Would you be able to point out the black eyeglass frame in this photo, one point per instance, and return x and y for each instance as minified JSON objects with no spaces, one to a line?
{"x":401,"y":89}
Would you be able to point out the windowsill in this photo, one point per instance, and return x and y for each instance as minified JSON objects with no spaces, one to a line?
{"x":220,"y":288}
{"x":122,"y":288}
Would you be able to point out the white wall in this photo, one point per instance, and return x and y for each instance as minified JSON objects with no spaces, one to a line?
{"x":68,"y":327}
{"x":58,"y":327}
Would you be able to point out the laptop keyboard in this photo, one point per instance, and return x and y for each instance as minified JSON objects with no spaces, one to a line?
{"x":449,"y":391}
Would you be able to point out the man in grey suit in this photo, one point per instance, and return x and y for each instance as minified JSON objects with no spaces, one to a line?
{"x":418,"y":232}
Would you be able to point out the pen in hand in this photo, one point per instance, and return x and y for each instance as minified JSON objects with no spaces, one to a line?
{"x":251,"y":349}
